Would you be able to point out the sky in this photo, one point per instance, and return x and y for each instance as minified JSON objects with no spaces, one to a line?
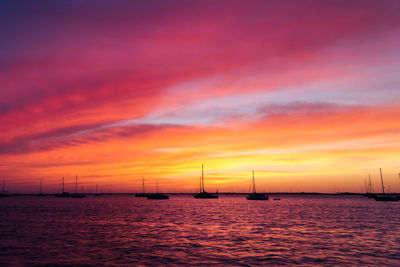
{"x":305,"y":93}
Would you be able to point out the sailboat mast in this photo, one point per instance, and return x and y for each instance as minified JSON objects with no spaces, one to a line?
{"x":143,"y":183}
{"x":366,"y":187}
{"x":63,"y":185}
{"x":200,"y":185}
{"x":96,"y":188}
{"x":254,"y":183}
{"x":370,"y":185}
{"x":157,"y":185}
{"x":202,"y":176}
{"x":383,"y":188}
{"x":76,"y":184}
{"x":40,"y":188}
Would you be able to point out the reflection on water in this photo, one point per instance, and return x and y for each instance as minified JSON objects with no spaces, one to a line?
{"x":124,"y":230}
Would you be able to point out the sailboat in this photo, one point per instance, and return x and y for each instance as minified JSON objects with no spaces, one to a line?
{"x":63,"y":194}
{"x":76,"y":194}
{"x":203,"y":193}
{"x":4,"y":193}
{"x":385,"y":196}
{"x":40,"y":190}
{"x":157,"y":195}
{"x":97,"y":194}
{"x":255,"y":195}
{"x":143,"y":194}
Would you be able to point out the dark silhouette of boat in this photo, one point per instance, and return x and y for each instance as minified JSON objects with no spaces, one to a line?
{"x":255,"y":195}
{"x":369,"y":191}
{"x":144,"y":194}
{"x":97,"y":194}
{"x":203,"y":193}
{"x":76,"y":194}
{"x":384,"y":196}
{"x":63,"y":194}
{"x":40,"y":190}
{"x":4,"y":193}
{"x":157,"y":195}
{"x":277,"y":199}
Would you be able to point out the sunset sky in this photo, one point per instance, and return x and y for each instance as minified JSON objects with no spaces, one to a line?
{"x":306,"y":93}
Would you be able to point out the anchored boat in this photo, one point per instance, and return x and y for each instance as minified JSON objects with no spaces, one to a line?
{"x":76,"y":194}
{"x":203,"y":193}
{"x":157,"y":195}
{"x":384,"y":196}
{"x":63,"y":194}
{"x":255,"y":195}
{"x":143,"y":194}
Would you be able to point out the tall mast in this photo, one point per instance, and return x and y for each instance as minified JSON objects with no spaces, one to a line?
{"x":157,"y":185}
{"x":254,"y":183}
{"x":202,"y":176}
{"x":143,"y":183}
{"x":370,"y":185}
{"x":96,"y":188}
{"x":76,"y":184}
{"x":40,"y":189}
{"x":366,"y":187}
{"x":63,"y":185}
{"x":200,"y":185}
{"x":383,"y":188}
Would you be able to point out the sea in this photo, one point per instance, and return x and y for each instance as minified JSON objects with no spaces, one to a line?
{"x":124,"y":230}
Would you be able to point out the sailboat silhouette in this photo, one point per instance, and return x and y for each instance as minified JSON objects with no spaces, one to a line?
{"x":76,"y":194}
{"x":157,"y":195}
{"x":63,"y":194}
{"x":143,"y":194}
{"x":255,"y":195}
{"x":385,"y":196}
{"x":203,"y":193}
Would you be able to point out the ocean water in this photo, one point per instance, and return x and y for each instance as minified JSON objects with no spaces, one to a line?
{"x":124,"y":230}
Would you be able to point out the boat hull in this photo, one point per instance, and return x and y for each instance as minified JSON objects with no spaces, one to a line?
{"x":257,"y":196}
{"x":386,"y":197}
{"x":64,"y":194}
{"x":157,"y":196}
{"x":77,"y":195}
{"x":205,"y":195}
{"x":141,"y":195}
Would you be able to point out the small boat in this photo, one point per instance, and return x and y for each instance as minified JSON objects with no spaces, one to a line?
{"x":277,"y":199}
{"x":203,"y":194}
{"x":97,"y":194}
{"x":4,"y":193}
{"x":40,"y":191}
{"x":384,"y":196}
{"x":142,"y":194}
{"x":157,"y":195}
{"x":76,"y":194}
{"x":255,"y":195}
{"x":63,"y":194}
